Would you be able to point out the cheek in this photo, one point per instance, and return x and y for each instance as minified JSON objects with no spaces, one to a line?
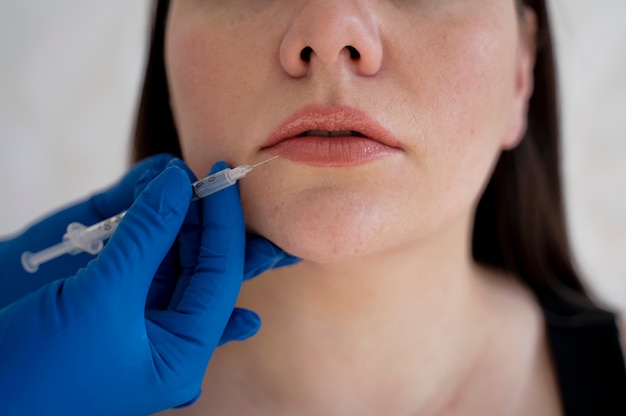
{"x":481,"y":86}
{"x":479,"y":112}
{"x":462,"y":89}
{"x":202,"y":95}
{"x":456,"y":72}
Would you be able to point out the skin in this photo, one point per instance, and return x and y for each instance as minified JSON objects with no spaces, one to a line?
{"x":387,"y":313}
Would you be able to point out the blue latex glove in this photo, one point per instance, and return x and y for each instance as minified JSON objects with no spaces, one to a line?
{"x":15,"y":282}
{"x":88,"y":345}
{"x":180,"y":264}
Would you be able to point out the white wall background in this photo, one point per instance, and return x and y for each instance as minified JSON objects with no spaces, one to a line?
{"x":70,"y":77}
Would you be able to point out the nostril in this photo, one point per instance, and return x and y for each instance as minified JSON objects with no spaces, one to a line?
{"x":305,"y":54}
{"x":354,"y":53}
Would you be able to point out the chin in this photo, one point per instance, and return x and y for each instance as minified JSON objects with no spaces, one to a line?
{"x":329,"y":228}
{"x":323,"y":246}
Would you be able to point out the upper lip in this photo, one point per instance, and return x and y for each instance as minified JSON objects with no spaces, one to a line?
{"x":331,"y":121}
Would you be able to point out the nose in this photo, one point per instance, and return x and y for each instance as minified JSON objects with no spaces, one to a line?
{"x":329,"y":33}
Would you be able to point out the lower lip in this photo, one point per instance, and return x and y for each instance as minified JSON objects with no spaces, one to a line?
{"x":332,"y":151}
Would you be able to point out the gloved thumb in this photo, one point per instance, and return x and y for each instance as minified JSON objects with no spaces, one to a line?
{"x":147,"y":232}
{"x":120,"y":196}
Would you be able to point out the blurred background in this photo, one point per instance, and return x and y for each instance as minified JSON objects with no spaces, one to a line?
{"x":71,"y":72}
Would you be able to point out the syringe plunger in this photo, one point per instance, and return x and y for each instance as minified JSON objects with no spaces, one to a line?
{"x":78,"y":238}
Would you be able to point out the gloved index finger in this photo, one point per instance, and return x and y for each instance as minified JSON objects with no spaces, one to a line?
{"x":263,"y":255}
{"x":121,"y":196}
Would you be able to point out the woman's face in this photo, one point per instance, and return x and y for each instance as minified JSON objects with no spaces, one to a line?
{"x":388,"y":115}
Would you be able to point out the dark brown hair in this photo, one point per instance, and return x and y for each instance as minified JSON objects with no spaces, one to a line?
{"x":520,"y":221}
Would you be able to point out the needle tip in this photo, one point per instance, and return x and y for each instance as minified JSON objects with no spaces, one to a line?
{"x":265,"y":161}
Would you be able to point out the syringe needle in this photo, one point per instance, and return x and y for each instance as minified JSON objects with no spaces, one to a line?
{"x":265,"y":161}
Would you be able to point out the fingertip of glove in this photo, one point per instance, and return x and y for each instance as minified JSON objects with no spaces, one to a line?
{"x":182,"y":165}
{"x":248,"y":318}
{"x":262,"y":255}
{"x":154,"y":164}
{"x":121,"y":195}
{"x":288,"y":260}
{"x":243,"y":324}
{"x":160,"y":159}
{"x":190,"y":402}
{"x":176,"y":178}
{"x":146,"y":177}
{"x":150,"y":168}
{"x":168,"y":193}
{"x":217,"y":166}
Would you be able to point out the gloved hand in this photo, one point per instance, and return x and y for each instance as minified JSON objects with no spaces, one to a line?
{"x":90,"y":344}
{"x":15,"y":282}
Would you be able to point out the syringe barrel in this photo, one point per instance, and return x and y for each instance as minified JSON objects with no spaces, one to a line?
{"x":101,"y":230}
{"x":213,"y":183}
{"x":91,"y":239}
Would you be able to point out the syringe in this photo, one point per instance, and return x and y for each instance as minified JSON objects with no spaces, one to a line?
{"x":79,"y":238}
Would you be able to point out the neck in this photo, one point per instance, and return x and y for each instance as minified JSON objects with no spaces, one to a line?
{"x":406,"y":326}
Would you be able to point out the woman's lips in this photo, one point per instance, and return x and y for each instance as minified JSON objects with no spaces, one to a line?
{"x":331,"y":151}
{"x":331,"y":137}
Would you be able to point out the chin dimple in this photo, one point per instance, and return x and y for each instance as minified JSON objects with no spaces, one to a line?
{"x":334,"y":133}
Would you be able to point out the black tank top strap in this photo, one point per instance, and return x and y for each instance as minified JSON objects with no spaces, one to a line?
{"x":588,"y":358}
